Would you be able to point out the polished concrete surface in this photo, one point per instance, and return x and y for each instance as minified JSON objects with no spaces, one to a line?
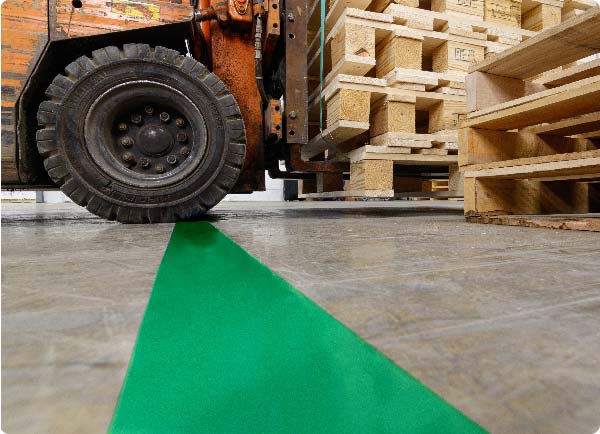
{"x":502,"y":322}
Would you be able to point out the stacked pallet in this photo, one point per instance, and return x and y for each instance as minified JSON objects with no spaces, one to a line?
{"x":394,"y":84}
{"x":530,"y":148}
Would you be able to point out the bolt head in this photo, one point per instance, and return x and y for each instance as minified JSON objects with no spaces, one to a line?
{"x":128,"y":157}
{"x":172,"y":159}
{"x":180,"y":122}
{"x":182,"y":137}
{"x":184,"y":151}
{"x":136,"y":118}
{"x":164,"y":116}
{"x":160,"y":168}
{"x":293,"y":115}
{"x":145,"y":163}
{"x":149,"y":109}
{"x":126,"y":141}
{"x":291,"y":17}
{"x":122,"y":126}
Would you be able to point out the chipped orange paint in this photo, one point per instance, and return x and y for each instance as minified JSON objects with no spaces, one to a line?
{"x":103,"y":16}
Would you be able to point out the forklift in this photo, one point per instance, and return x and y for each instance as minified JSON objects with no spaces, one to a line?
{"x":152,"y":111}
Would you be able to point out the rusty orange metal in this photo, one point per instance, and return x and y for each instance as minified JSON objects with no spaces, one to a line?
{"x":23,"y":39}
{"x":102,"y":16}
{"x":27,"y":28}
{"x":233,"y":62}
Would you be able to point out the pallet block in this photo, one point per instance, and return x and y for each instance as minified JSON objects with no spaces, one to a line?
{"x":372,"y":175}
{"x":355,"y":46}
{"x":398,"y":51}
{"x":542,"y":17}
{"x":388,"y":115}
{"x":456,"y":56}
{"x":446,"y":115}
{"x":505,"y":12}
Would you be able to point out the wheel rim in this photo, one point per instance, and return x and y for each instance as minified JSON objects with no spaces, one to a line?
{"x":146,"y":134}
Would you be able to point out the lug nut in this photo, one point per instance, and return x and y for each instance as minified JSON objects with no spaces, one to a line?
{"x":122,"y":126}
{"x":164,"y":116}
{"x":128,"y":157}
{"x":184,"y":151}
{"x":180,"y":122}
{"x":172,"y":160}
{"x":149,"y":109}
{"x":181,"y":137}
{"x":126,"y":141}
{"x":160,"y":168}
{"x":136,"y":118}
{"x":145,"y":163}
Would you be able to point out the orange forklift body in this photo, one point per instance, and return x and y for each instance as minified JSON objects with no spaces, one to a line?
{"x":39,"y":33}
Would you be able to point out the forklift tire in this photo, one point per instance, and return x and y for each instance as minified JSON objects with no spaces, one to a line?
{"x":141,"y":135}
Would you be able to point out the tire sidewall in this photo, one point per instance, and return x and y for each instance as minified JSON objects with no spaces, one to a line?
{"x":70,"y":133}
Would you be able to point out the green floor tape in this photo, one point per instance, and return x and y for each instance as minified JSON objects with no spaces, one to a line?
{"x":227,"y":347}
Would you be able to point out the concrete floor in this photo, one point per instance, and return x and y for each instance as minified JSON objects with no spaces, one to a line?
{"x":502,"y":322}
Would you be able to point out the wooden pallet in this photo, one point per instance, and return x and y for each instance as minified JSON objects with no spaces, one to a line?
{"x":393,"y":92}
{"x":532,"y":146}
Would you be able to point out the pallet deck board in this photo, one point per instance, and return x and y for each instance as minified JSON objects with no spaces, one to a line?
{"x":574,"y":165}
{"x":583,"y":124}
{"x":567,"y":42}
{"x":583,"y":222}
{"x":569,"y":100}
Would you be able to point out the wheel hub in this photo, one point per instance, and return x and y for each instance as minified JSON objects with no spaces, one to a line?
{"x":155,"y":140}
{"x":142,"y":133}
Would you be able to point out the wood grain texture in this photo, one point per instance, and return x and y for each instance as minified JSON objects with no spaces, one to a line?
{"x":569,"y":75}
{"x":520,"y":196}
{"x":349,"y":105}
{"x":468,"y":7}
{"x":551,"y":105}
{"x":372,"y":175}
{"x":398,"y":52}
{"x":477,"y":146}
{"x":456,"y":56}
{"x":561,"y":165}
{"x":582,"y":222}
{"x":353,"y":40}
{"x":542,"y":17}
{"x":446,"y":115}
{"x":557,"y":46}
{"x":587,"y":123}
{"x":505,"y":12}
{"x":388,"y":115}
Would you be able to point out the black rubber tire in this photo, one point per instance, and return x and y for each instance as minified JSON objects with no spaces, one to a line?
{"x":62,"y":144}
